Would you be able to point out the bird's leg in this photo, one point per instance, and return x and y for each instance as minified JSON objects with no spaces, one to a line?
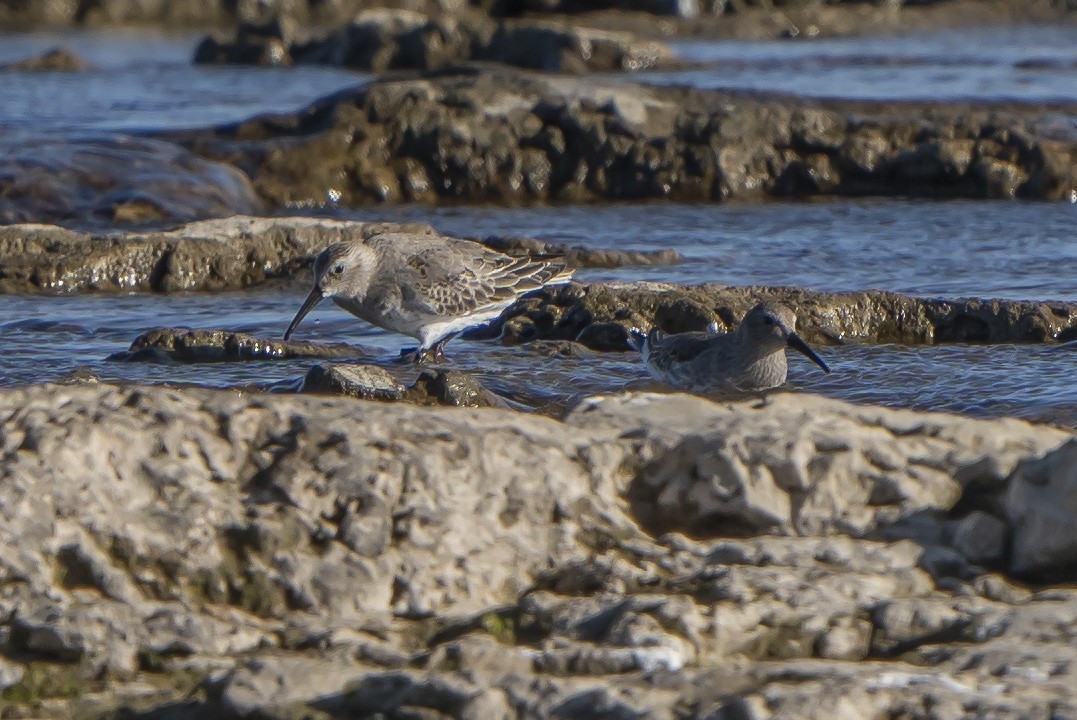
{"x":438,"y":348}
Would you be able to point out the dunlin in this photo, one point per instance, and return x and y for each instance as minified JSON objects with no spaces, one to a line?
{"x":430,"y":288}
{"x":749,"y":359}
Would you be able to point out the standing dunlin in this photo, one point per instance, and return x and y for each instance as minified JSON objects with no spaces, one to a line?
{"x":749,"y":359}
{"x":430,"y":288}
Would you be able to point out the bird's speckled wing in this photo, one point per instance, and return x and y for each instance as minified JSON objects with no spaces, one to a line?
{"x":458,"y":278}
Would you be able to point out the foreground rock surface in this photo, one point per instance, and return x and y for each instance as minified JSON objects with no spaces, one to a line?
{"x":648,"y":556}
{"x":482,"y":134}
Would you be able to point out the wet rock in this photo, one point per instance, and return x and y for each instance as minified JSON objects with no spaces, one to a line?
{"x":367,"y":382}
{"x":127,"y":180}
{"x":452,"y":387}
{"x":55,"y":60}
{"x":223,"y":254}
{"x":185,"y":345}
{"x":382,"y":40}
{"x":432,"y":387}
{"x":510,"y":136}
{"x":592,"y":314}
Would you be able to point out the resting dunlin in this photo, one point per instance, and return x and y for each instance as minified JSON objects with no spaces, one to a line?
{"x":430,"y":288}
{"x":749,"y":359}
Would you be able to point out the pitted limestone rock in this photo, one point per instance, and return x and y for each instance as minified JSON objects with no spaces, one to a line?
{"x":247,"y":538}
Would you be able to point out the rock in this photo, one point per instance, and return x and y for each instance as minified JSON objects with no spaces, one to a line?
{"x":367,"y":382}
{"x":56,"y":60}
{"x":11,"y":673}
{"x":1040,"y":508}
{"x":451,"y":387}
{"x":981,"y":538}
{"x":503,"y":135}
{"x":751,"y":19}
{"x":381,"y":40}
{"x":432,"y":387}
{"x":731,"y":479}
{"x":232,"y":253}
{"x":125,"y":180}
{"x":275,"y":682}
{"x":285,"y":555}
{"x":184,"y":345}
{"x":588,"y":314}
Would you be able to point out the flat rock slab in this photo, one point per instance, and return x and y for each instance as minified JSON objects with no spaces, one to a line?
{"x":494,"y":134}
{"x":228,"y":253}
{"x":183,"y":345}
{"x":450,"y":560}
{"x":599,"y":315}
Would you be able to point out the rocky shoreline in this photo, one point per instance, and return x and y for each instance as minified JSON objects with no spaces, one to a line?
{"x":487,"y":133}
{"x":712,"y":18}
{"x":494,"y":134}
{"x":225,"y":254}
{"x":647,"y":555}
{"x":428,"y":545}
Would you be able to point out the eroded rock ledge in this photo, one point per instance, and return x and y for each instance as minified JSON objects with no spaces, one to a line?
{"x":381,"y":40}
{"x":600,"y":315}
{"x":481,"y":134}
{"x":657,"y":556}
{"x":229,"y":253}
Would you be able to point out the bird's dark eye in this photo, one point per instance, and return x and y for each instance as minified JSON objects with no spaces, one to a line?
{"x":768,"y":320}
{"x":338,"y":269}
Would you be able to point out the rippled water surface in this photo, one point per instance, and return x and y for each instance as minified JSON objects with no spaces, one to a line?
{"x":141,"y":83}
{"x":986,"y":249}
{"x":1010,"y":250}
{"x":1025,"y":64}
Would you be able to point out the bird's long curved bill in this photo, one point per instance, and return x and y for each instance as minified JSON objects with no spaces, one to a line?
{"x":796,"y":343}
{"x":313,"y":299}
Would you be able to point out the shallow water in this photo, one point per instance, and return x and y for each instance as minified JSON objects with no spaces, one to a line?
{"x":48,"y":337}
{"x":143,"y":83}
{"x":987,"y":249}
{"x":1014,"y":250}
{"x":1033,"y":64}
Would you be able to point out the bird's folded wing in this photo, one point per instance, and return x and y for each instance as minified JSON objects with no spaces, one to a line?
{"x":683,"y":347}
{"x":456,"y":284}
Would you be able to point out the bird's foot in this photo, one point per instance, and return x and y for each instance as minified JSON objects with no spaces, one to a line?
{"x":419,"y":356}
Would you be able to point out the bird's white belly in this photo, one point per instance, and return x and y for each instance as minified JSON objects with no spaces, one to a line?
{"x":432,"y":331}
